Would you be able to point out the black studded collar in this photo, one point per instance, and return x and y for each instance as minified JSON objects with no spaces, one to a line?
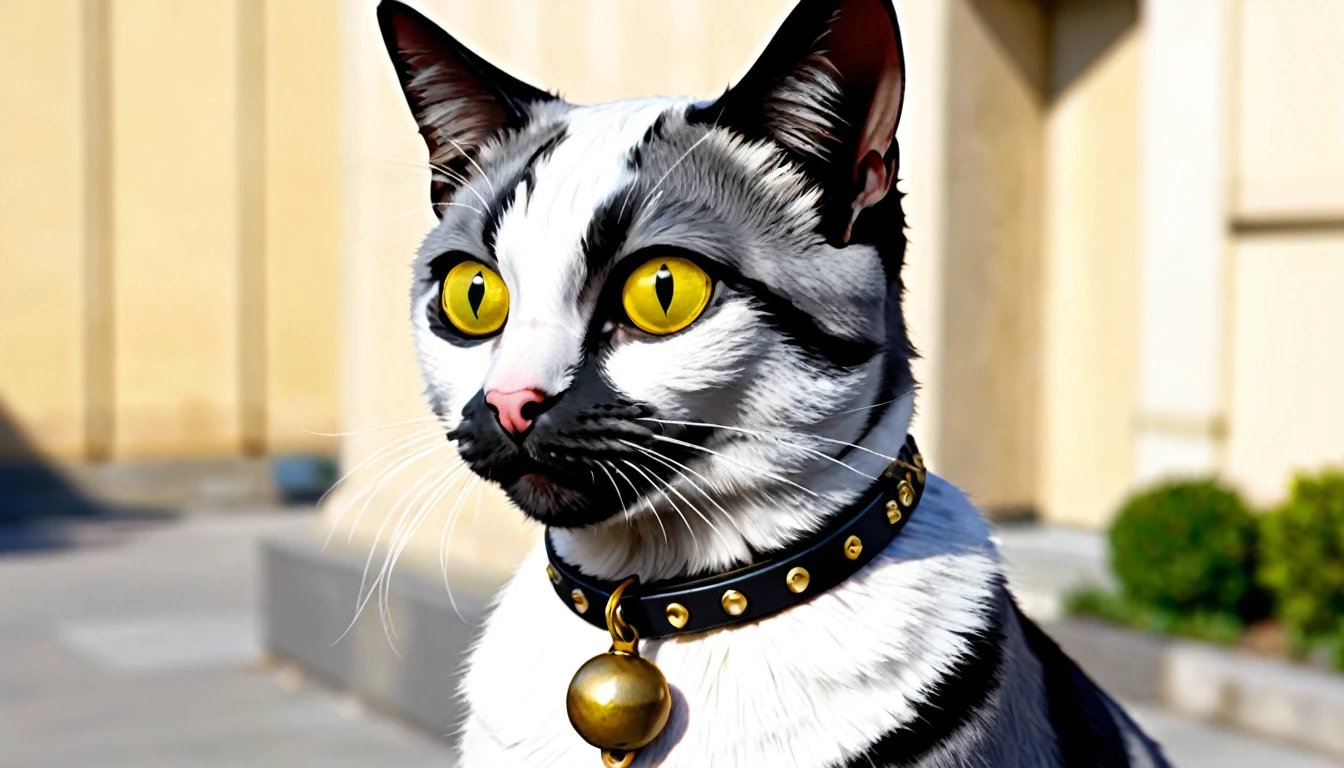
{"x":812,"y":566}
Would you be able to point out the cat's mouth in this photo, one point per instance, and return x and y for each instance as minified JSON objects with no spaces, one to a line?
{"x":560,"y":498}
{"x":579,"y":464}
{"x":539,"y":480}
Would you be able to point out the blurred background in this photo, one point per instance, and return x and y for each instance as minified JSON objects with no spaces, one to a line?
{"x":1126,"y":221}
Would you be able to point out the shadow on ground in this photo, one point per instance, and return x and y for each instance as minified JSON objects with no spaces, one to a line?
{"x":39,"y":502}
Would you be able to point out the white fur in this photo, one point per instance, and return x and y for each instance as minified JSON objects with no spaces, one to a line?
{"x":807,"y":687}
{"x":540,"y":243}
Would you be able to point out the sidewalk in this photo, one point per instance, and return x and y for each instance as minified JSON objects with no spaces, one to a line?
{"x":137,"y":646}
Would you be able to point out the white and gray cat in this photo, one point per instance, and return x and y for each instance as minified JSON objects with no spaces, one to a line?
{"x":672,"y":332}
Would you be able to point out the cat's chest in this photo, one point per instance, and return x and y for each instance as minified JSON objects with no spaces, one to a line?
{"x":804,"y":688}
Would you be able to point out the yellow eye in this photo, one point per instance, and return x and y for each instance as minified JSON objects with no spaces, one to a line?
{"x":475,"y":298}
{"x":665,"y":295}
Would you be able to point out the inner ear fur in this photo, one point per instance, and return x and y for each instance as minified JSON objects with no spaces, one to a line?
{"x":458,"y":99}
{"x":828,"y":89}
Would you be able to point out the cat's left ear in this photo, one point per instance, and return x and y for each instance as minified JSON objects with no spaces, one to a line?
{"x":458,"y":99}
{"x":828,"y":89}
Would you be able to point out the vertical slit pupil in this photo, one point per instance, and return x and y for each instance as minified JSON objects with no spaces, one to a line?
{"x":476,"y":293}
{"x":663,"y":285}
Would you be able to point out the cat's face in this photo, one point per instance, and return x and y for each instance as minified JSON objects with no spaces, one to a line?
{"x":628,"y":304}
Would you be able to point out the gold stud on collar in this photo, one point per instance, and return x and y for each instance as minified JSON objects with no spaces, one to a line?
{"x":677,"y":615}
{"x":853,"y":547}
{"x":798,"y":579}
{"x":580,"y":600}
{"x":734,"y":603}
{"x":905,"y":493}
{"x":552,"y":574}
{"x":893,"y":513}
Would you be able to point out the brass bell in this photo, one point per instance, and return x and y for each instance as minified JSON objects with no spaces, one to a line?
{"x":617,"y":701}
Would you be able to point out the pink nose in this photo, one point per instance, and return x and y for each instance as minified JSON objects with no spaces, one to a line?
{"x":509,"y":408}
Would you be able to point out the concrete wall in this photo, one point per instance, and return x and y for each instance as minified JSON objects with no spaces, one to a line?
{"x":1285,"y":321}
{"x":988,"y":362}
{"x":1089,"y":376}
{"x":169,"y":210}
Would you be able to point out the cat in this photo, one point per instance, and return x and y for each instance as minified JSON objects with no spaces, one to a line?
{"x":672,"y":332}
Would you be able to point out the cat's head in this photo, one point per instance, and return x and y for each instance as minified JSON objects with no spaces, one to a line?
{"x":658,"y":303}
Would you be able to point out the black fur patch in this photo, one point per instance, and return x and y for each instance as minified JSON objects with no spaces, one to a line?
{"x":1079,"y":711}
{"x":950,"y":705}
{"x":801,"y":328}
{"x":526,"y":176}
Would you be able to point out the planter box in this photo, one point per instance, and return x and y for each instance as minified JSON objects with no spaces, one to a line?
{"x":1205,"y":682}
{"x":308,"y":602}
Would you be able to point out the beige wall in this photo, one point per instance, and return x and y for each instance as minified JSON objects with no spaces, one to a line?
{"x":1286,"y":409}
{"x":41,"y":208}
{"x":1090,"y":300}
{"x":1286,"y":320}
{"x":988,"y":369}
{"x":175,"y":240}
{"x":169,"y":286}
{"x":1290,"y":111}
{"x":303,"y":174}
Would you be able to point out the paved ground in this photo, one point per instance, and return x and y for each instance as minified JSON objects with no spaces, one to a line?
{"x":135,"y":645}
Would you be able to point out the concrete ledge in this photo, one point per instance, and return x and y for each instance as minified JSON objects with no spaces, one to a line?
{"x":308,"y":601}
{"x":1204,"y":682}
{"x":309,"y":595}
{"x":34,"y":489}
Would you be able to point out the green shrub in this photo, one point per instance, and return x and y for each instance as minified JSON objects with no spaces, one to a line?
{"x":1302,"y":556}
{"x":1117,"y":608}
{"x":1186,"y":547}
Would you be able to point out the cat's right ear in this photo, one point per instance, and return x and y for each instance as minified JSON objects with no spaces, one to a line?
{"x":458,"y":99}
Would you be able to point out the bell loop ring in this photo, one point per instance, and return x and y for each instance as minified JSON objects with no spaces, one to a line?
{"x":624,"y":637}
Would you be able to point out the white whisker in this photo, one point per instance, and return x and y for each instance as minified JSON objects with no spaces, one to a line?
{"x":449,"y":525}
{"x":619,"y":496}
{"x":400,"y":445}
{"x":363,"y":598}
{"x":438,"y":488}
{"x":450,"y":173}
{"x":471,"y":160}
{"x":772,"y":436}
{"x":400,"y":538}
{"x":673,"y":488}
{"x":653,"y":480}
{"x":381,"y":479}
{"x":414,"y":211}
{"x":673,"y":464}
{"x":373,"y":429}
{"x":635,"y":490}
{"x":730,"y":460}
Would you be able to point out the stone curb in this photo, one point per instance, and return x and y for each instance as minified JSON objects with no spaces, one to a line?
{"x":1204,"y":682}
{"x":307,"y":604}
{"x":307,"y":607}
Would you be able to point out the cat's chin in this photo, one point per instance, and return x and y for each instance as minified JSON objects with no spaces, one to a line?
{"x":546,"y":500}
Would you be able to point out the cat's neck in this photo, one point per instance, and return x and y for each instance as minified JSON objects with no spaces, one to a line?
{"x":714,"y":530}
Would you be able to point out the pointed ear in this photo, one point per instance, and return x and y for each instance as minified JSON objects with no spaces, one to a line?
{"x":458,"y":99}
{"x":828,"y":89}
